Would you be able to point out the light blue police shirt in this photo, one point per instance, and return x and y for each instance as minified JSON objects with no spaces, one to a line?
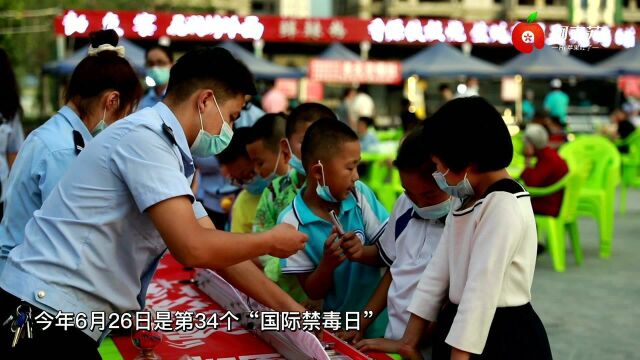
{"x":11,"y":138}
{"x":353,"y":283}
{"x":212,"y":185}
{"x":150,"y":99}
{"x":42,"y":161}
{"x":249,"y":116}
{"x":92,"y":247}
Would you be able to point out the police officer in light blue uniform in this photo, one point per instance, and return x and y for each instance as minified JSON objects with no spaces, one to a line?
{"x":11,"y":132}
{"x":159,"y":62}
{"x":212,"y":188}
{"x":249,"y":115}
{"x":95,"y":243}
{"x":11,"y":139}
{"x":103,"y":88}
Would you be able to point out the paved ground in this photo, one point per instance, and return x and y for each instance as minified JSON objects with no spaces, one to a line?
{"x":592,"y":312}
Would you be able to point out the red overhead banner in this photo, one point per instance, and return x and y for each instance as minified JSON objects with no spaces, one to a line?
{"x":191,"y":26}
{"x":185,"y":26}
{"x":355,"y":71}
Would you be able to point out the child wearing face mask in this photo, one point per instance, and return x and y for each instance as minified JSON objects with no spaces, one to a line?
{"x":271,"y":160}
{"x":330,"y":155}
{"x":283,"y":189}
{"x":483,"y":268}
{"x":407,"y":245}
{"x":236,"y":164}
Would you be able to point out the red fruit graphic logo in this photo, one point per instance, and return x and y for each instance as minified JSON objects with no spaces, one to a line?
{"x":527,"y":35}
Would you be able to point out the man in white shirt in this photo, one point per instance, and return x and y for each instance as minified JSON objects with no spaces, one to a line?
{"x":361,"y":106}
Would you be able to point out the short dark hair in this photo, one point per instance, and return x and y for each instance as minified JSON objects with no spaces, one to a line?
{"x":348,"y":91}
{"x":9,"y":91}
{"x":307,"y":113}
{"x":323,"y":140}
{"x":443,"y":87}
{"x":469,"y":131}
{"x":556,"y":120}
{"x":414,"y":154}
{"x":237,"y":147}
{"x":210,"y":67}
{"x":101,"y":72}
{"x":165,"y":49}
{"x":270,"y":129}
{"x":540,"y":114}
{"x":363,"y":88}
{"x":367,"y":120}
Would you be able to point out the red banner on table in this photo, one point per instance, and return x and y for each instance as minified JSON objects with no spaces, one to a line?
{"x":355,"y":71}
{"x":170,"y":290}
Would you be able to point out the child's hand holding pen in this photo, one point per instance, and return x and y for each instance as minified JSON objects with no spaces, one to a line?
{"x":352,"y":246}
{"x":333,"y":253}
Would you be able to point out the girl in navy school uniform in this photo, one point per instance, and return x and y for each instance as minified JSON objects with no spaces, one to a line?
{"x":477,"y":286}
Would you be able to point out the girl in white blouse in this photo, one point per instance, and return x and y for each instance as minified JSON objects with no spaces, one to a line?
{"x":477,"y":286}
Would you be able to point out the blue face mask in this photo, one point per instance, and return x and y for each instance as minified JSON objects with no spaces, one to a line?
{"x":101,"y":125}
{"x":207,"y":145}
{"x":159,"y":74}
{"x":257,"y":185}
{"x":323,"y":190}
{"x":295,"y":163}
{"x":462,"y":190}
{"x":433,"y":212}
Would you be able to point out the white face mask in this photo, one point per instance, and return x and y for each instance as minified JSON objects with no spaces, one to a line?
{"x":433,"y":212}
{"x":206,"y":144}
{"x":462,"y":190}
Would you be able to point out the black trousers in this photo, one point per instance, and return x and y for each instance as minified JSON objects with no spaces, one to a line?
{"x":515,"y":333}
{"x":54,"y":342}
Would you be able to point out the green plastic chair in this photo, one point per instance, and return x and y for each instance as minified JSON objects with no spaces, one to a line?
{"x":383,"y":179}
{"x":389,"y":134}
{"x":518,"y":143}
{"x":630,"y":167}
{"x":597,"y":197}
{"x":108,"y":350}
{"x":396,"y":184}
{"x":517,"y":163}
{"x":553,"y":228}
